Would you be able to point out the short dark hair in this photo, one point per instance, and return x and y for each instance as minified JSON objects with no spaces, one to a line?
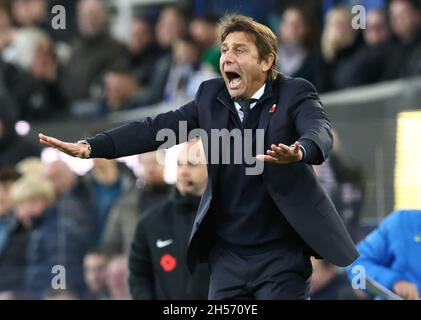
{"x":266,"y":41}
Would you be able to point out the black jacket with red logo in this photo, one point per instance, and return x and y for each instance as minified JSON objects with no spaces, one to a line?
{"x":157,"y":263}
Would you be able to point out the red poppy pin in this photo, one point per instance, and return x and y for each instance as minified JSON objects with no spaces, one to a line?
{"x":168,"y":262}
{"x":272,"y":109}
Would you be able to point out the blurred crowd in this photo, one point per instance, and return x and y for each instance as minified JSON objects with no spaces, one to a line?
{"x":51,"y":216}
{"x":85,"y":71}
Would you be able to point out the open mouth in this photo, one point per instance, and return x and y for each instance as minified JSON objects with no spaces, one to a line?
{"x":234,"y":78}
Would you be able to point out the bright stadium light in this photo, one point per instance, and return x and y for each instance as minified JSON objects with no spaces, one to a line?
{"x":22,"y":128}
{"x":408,"y":155}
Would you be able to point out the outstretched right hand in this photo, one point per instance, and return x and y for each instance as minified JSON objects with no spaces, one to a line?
{"x":77,"y":149}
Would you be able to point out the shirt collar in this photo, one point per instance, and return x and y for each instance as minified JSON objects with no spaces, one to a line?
{"x":259,"y":93}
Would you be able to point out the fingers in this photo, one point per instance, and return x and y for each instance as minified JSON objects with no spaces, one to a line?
{"x":52,"y":142}
{"x":282,"y":149}
{"x":278,"y":151}
{"x":267,"y":158}
{"x":296,"y":147}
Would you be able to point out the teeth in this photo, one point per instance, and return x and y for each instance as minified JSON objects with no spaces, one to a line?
{"x":235,"y":81}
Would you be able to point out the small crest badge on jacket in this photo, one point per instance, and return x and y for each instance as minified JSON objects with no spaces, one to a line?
{"x":272,"y":109}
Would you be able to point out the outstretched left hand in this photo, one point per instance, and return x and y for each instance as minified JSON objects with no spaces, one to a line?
{"x":282,"y":154}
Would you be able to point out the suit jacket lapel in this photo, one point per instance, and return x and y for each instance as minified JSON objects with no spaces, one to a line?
{"x":220,"y":119}
{"x":226,"y":100}
{"x":267,"y":101}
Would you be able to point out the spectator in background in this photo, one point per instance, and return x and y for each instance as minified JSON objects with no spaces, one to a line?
{"x":30,"y":13}
{"x":148,"y":60}
{"x":404,"y":51}
{"x":36,"y":13}
{"x":8,"y":175}
{"x":142,"y":45}
{"x":298,"y":40}
{"x":117,"y":278}
{"x":66,"y":181}
{"x":74,"y":199}
{"x":328,"y":283}
{"x":368,"y":63}
{"x":391,"y":254}
{"x":7,"y":30}
{"x":94,"y":53}
{"x":35,"y":88}
{"x":259,"y":10}
{"x":158,"y":268}
{"x":171,"y":25}
{"x":13,"y":148}
{"x":108,"y":180}
{"x":94,"y":270}
{"x":53,"y":239}
{"x":377,"y":31}
{"x":13,"y":237}
{"x":120,"y":90}
{"x":30,"y":165}
{"x":204,"y":30}
{"x":338,"y":44}
{"x":185,"y":62}
{"x":150,"y":190}
{"x":143,"y":83}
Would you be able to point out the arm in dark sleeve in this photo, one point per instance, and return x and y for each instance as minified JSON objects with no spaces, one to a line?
{"x":311,"y":123}
{"x":311,"y":152}
{"x":141,"y":136}
{"x":141,"y":279}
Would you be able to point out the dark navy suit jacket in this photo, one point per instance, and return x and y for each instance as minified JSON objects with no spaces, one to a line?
{"x":294,"y":188}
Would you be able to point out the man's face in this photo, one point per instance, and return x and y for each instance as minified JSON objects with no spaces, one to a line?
{"x":28,"y":209}
{"x":243,"y":70}
{"x":117,"y":278}
{"x":377,"y":30}
{"x":293,"y":27}
{"x":28,"y":12}
{"x":92,"y":17}
{"x":191,"y":170}
{"x":95,"y":266}
{"x":141,"y":37}
{"x":153,"y":170}
{"x":403,"y":19}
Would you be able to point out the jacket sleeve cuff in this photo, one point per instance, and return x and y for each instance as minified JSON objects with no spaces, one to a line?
{"x":311,"y":152}
{"x":102,"y":146}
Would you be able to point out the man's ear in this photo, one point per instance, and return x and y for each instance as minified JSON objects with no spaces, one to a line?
{"x":268,"y":62}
